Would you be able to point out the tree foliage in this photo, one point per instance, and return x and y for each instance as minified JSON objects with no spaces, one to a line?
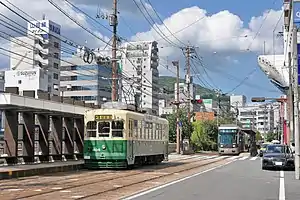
{"x":205,"y":135}
{"x":271,"y":136}
{"x":258,"y":136}
{"x":172,"y":125}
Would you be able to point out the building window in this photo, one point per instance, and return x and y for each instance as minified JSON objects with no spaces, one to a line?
{"x":19,"y":81}
{"x":55,"y":76}
{"x":56,"y":45}
{"x":55,"y":55}
{"x":55,"y":65}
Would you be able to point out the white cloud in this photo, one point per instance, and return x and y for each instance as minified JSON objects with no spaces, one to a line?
{"x":220,"y":32}
{"x":69,"y":29}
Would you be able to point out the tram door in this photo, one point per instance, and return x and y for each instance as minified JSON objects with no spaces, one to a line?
{"x":130,"y":153}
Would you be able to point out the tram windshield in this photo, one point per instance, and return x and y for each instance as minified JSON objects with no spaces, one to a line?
{"x":227,"y":136}
{"x":103,"y":129}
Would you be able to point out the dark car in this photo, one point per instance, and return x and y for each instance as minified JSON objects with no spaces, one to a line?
{"x":278,"y":156}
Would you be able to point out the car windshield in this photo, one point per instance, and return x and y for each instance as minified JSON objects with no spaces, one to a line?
{"x":275,"y":149}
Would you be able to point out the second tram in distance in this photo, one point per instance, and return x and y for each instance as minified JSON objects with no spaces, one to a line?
{"x":231,"y":140}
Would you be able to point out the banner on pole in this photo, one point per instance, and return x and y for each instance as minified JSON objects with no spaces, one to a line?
{"x":296,"y":13}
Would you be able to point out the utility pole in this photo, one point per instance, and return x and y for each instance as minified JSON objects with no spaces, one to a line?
{"x":188,"y":81}
{"x":178,"y":140}
{"x":290,"y":98}
{"x":296,"y":103}
{"x":237,"y":112}
{"x":114,"y":24}
{"x":265,"y":116}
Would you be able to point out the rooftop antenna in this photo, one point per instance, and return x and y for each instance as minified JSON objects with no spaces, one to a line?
{"x":44,"y":17}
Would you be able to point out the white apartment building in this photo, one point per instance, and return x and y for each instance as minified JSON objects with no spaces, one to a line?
{"x":258,"y":117}
{"x":90,"y":83}
{"x":165,"y":109}
{"x":237,"y":101}
{"x":140,"y":75}
{"x":183,"y":94}
{"x":38,"y":68}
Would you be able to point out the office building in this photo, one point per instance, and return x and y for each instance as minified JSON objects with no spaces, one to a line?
{"x":81,"y":81}
{"x":38,"y":67}
{"x":139,"y":65}
{"x":257,"y":117}
{"x":237,"y":101}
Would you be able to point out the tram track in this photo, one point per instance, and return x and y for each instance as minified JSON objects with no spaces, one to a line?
{"x":195,"y":163}
{"x":90,"y":179}
{"x":67,"y":178}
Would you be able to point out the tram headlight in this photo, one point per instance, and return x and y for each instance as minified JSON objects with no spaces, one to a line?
{"x":103,"y":147}
{"x":221,"y":145}
{"x":233,"y":146}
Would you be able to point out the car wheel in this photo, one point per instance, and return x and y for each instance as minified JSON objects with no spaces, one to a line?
{"x":263,"y":168}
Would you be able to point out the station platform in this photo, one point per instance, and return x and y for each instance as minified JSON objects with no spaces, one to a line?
{"x":17,"y":171}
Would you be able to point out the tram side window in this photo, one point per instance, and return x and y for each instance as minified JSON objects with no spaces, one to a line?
{"x":91,"y":129}
{"x":103,"y":129}
{"x":117,"y":128}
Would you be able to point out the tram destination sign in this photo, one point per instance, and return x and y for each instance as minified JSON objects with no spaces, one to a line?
{"x":103,"y":117}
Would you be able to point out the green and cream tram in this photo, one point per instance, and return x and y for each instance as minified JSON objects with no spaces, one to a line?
{"x":116,"y":138}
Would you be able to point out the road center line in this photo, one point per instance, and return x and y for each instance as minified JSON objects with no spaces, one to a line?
{"x":281,"y":186}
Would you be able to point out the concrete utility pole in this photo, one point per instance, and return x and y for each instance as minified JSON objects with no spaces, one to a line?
{"x":188,"y":82}
{"x":290,"y":97}
{"x":265,"y":116}
{"x":114,"y":24}
{"x":237,"y":112}
{"x":176,"y":64}
{"x":296,"y":103}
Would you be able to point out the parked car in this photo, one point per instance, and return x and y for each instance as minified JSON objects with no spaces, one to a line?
{"x":278,"y":156}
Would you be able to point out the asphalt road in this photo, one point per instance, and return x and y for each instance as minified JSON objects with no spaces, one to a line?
{"x":242,"y":179}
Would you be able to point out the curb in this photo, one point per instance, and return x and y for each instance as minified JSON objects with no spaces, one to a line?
{"x":39,"y":171}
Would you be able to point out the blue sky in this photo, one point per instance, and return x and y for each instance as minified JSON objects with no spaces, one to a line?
{"x":257,"y":84}
{"x":218,"y":36}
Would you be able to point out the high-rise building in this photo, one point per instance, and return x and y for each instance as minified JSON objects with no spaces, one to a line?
{"x":38,"y":67}
{"x":140,"y":75}
{"x":237,"y":101}
{"x":90,"y":83}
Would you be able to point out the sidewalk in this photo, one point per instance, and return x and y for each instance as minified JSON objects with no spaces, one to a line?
{"x":17,"y":171}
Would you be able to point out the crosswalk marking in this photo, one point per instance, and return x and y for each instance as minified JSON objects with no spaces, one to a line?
{"x":254,"y":158}
{"x":243,"y":158}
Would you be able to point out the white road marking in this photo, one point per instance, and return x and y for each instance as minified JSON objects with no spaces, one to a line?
{"x":173,"y":182}
{"x":243,"y":158}
{"x":281,"y":186}
{"x":233,"y":157}
{"x":14,"y":189}
{"x":56,"y":188}
{"x":37,"y":190}
{"x":254,"y":158}
{"x":76,"y":197}
{"x":65,"y":191}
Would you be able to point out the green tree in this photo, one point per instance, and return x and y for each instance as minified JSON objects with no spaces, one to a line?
{"x":271,"y":136}
{"x":172,"y":125}
{"x":205,"y":135}
{"x":258,"y":136}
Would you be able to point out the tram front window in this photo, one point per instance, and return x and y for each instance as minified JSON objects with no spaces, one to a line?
{"x":227,"y":137}
{"x":117,"y":128}
{"x":103,"y":129}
